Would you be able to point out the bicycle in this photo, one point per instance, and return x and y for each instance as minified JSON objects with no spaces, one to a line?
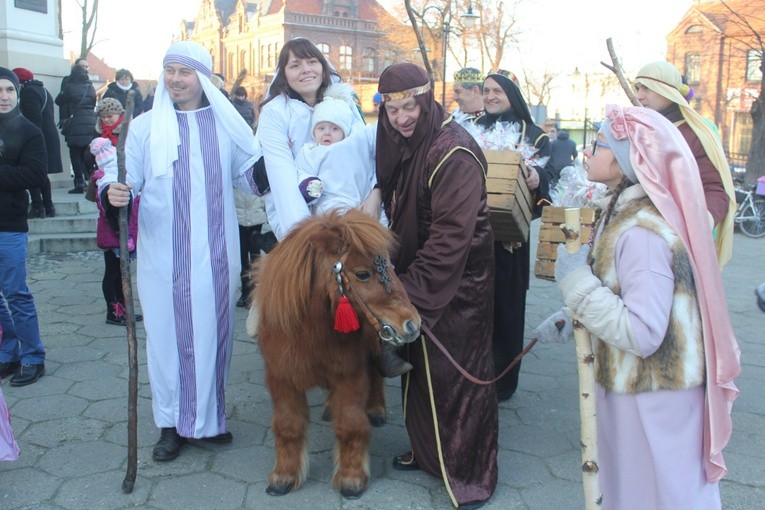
{"x":750,"y":215}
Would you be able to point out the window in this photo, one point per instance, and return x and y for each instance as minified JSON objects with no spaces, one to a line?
{"x":324,"y":49}
{"x":693,"y":29}
{"x":368,"y":61}
{"x":242,"y":60}
{"x":753,"y":65}
{"x":693,"y":68}
{"x":346,"y":57}
{"x":389,"y":58}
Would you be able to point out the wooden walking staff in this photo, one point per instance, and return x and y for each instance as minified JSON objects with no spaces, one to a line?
{"x":586,"y":368}
{"x":616,"y":68}
{"x":127,"y":291}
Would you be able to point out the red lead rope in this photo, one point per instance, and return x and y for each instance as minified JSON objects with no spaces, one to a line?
{"x":464,"y":372}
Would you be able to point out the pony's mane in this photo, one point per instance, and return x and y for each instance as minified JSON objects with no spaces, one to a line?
{"x":299,"y":269}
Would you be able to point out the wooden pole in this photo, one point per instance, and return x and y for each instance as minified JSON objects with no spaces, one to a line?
{"x":585,"y":365}
{"x":127,"y":291}
{"x":616,"y":68}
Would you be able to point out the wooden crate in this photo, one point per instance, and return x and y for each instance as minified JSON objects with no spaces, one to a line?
{"x":508,"y":196}
{"x":551,"y":235}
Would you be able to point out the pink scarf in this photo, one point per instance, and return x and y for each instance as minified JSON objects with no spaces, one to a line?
{"x":668,"y":172}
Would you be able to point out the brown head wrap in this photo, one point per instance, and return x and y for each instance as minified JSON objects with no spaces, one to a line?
{"x":396,"y":154}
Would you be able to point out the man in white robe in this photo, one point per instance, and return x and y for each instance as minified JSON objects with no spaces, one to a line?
{"x":184,"y":157}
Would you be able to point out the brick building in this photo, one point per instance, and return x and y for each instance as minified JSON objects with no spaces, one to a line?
{"x":721,"y":58}
{"x":248,"y":35}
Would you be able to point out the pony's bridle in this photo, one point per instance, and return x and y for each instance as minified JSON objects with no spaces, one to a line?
{"x":384,"y":331}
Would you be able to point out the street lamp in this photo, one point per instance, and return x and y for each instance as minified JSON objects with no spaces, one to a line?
{"x":468,"y":19}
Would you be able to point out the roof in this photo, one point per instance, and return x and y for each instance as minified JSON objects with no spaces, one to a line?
{"x":225,"y":8}
{"x":753,"y":12}
{"x":368,"y":9}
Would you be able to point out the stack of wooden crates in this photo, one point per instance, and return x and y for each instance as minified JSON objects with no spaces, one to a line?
{"x":508,"y":196}
{"x":551,"y":235}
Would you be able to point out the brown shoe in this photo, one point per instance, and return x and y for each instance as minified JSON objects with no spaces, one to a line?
{"x":390,"y":363}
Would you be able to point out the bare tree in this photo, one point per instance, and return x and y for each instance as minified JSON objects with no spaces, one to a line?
{"x":89,"y":25}
{"x":498,"y":29}
{"x":751,"y":39}
{"x":538,"y":87}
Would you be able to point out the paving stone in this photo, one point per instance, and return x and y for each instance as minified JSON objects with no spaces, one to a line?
{"x":201,"y":490}
{"x":78,"y":459}
{"x":18,"y":492}
{"x":106,"y":388}
{"x":58,"y":432}
{"x":102,"y":491}
{"x":73,"y":354}
{"x":49,"y":407}
{"x":88,"y":371}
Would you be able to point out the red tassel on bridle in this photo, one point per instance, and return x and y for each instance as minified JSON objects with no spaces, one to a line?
{"x":346,"y":320}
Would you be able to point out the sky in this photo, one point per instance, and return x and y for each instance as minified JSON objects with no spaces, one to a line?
{"x":559,"y":35}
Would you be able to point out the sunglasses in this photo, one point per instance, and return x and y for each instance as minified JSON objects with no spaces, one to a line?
{"x":597,"y":143}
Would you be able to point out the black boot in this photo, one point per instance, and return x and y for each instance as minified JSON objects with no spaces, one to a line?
{"x":50,"y":210}
{"x":390,"y":363}
{"x":115,"y":314}
{"x":244,"y":299}
{"x":169,"y":445}
{"x":36,"y":211}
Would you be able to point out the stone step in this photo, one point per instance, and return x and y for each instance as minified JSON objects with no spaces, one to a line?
{"x":78,"y":224}
{"x":61,"y":243}
{"x":74,"y":207}
{"x":73,"y":229}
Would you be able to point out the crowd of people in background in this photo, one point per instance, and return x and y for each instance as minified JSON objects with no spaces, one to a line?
{"x":218,"y":184}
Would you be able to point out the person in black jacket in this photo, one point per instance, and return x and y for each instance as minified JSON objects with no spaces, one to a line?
{"x":243,"y":106}
{"x":22,"y":166}
{"x":119,"y":90}
{"x":77,"y":117}
{"x":563,"y":154}
{"x":37,"y":106}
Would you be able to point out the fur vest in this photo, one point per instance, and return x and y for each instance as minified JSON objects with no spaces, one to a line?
{"x":679,"y":361}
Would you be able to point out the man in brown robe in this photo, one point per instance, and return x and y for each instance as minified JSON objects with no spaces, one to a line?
{"x":432,"y":178}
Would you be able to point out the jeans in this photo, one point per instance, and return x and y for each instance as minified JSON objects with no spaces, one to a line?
{"x":18,"y":316}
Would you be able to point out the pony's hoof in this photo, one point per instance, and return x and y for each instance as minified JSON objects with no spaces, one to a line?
{"x":350,"y":493}
{"x":377,"y":420}
{"x":279,"y":489}
{"x":327,"y":415}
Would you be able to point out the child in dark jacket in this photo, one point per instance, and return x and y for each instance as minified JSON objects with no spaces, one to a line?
{"x":108,"y":238}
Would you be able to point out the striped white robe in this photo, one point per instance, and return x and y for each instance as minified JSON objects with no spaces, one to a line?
{"x":188,"y":263}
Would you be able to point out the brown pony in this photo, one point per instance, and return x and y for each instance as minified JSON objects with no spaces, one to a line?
{"x":300,"y":285}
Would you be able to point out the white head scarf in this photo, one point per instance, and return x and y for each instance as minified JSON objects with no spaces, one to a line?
{"x":164,"y":148}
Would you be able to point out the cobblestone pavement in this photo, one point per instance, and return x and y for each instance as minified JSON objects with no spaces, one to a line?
{"x":71,"y":425}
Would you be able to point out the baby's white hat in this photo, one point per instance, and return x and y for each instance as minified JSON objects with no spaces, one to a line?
{"x":336,"y":107}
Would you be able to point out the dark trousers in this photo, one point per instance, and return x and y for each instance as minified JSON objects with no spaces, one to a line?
{"x":247,"y":254}
{"x":81,"y":172}
{"x":111,"y":285}
{"x":510,"y":285}
{"x":41,"y":196}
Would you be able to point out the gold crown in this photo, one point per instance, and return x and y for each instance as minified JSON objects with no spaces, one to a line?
{"x":415,"y":91}
{"x":468,"y":75}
